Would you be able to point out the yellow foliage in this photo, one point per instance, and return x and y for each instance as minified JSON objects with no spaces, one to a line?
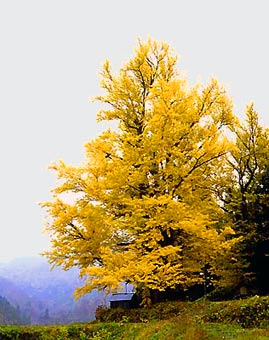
{"x":143,"y":207}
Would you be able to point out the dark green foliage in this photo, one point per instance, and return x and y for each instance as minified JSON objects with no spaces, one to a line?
{"x":160,"y":311}
{"x":251,"y":312}
{"x":246,"y":201}
{"x":221,"y":294}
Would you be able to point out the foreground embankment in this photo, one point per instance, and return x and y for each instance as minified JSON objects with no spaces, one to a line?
{"x":239,"y":319}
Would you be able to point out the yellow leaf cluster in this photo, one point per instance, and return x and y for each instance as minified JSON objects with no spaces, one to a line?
{"x":142,"y":207}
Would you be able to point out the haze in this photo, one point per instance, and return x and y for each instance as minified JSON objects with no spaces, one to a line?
{"x":51,"y":53}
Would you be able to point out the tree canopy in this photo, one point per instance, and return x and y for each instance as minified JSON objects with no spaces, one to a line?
{"x":146,"y":206}
{"x":246,"y":202}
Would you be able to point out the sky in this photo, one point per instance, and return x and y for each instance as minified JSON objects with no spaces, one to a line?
{"x":51,"y":53}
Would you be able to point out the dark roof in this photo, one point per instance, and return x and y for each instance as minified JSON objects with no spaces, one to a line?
{"x":122,"y":297}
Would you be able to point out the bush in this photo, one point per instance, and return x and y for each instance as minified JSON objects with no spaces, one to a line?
{"x":160,"y":311}
{"x":251,"y":312}
{"x":9,"y":332}
{"x":221,"y":294}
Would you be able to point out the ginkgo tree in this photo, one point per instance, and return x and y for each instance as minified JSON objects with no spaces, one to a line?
{"x":142,"y":207}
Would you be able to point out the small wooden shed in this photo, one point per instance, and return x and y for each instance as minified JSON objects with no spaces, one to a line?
{"x":124,"y":300}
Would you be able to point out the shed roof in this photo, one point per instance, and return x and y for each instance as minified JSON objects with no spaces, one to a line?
{"x":122,"y":297}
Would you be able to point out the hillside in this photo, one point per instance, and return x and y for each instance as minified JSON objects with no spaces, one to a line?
{"x":10,"y":315}
{"x":43,"y":295}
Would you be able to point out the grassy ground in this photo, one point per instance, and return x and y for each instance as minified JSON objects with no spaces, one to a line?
{"x":155,"y":330}
{"x":245,"y":319}
{"x":167,"y":330}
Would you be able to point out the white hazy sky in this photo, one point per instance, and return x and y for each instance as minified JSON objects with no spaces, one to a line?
{"x":51,"y":52}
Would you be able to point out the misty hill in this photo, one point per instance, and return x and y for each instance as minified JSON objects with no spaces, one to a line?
{"x":44,"y":296}
{"x":10,"y":315}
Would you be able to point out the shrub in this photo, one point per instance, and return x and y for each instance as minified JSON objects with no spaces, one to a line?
{"x":160,"y":311}
{"x":221,"y":294}
{"x":9,"y":332}
{"x":251,"y":312}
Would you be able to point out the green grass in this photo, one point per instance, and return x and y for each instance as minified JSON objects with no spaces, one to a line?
{"x":173,"y":329}
{"x":242,"y":319}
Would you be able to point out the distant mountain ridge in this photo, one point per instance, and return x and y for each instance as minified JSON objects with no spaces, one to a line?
{"x":45,"y":296}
